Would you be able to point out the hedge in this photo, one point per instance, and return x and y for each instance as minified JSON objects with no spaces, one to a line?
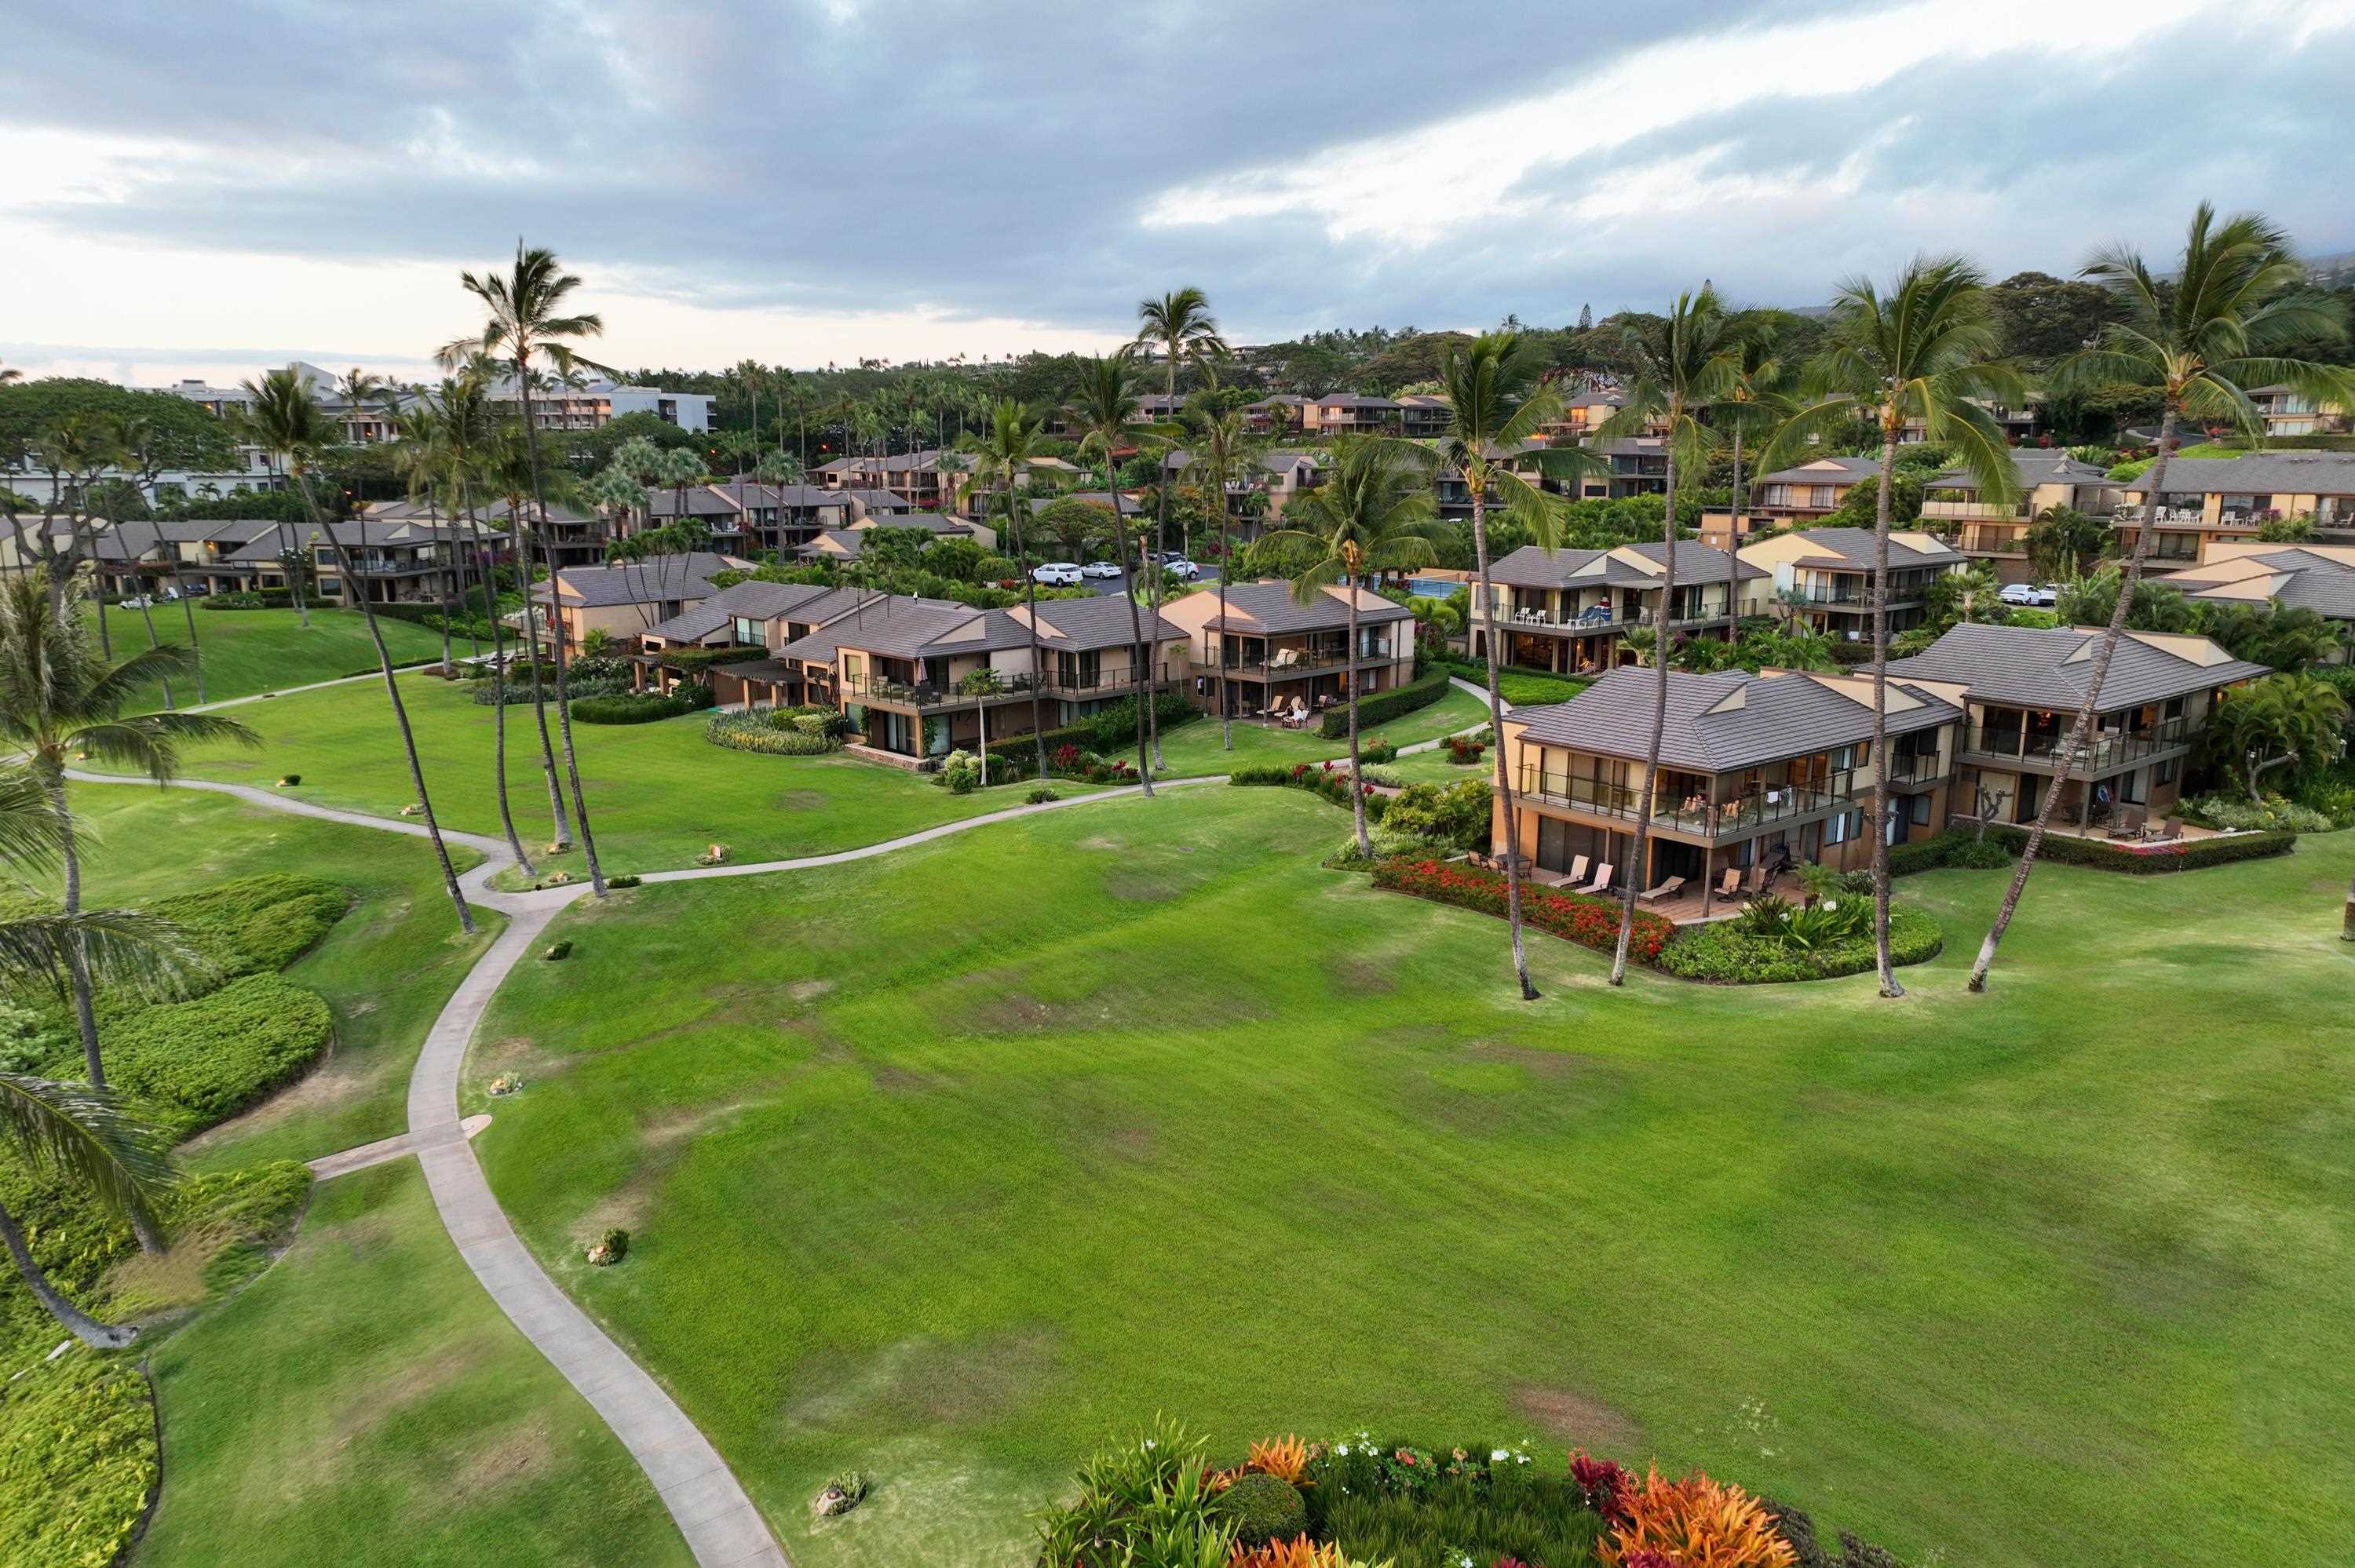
{"x":1589,"y":921}
{"x":1107,"y":730}
{"x":755,"y":732}
{"x":257,"y":924}
{"x":78,"y":1459}
{"x":430,"y":615}
{"x":1957,"y":847}
{"x":210,"y":1058}
{"x":1325,"y":779}
{"x":249,"y":599}
{"x":695,"y":660}
{"x":2188,"y":855}
{"x":1384,"y":706}
{"x":1722,"y":952}
{"x":644,"y":709}
{"x":1518,"y":684}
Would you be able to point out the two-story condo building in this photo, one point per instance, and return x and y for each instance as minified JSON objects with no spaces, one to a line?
{"x":2023,"y":685}
{"x":1569,"y":609}
{"x":1824,"y":576}
{"x":407,"y":561}
{"x":1795,"y":497}
{"x":626,"y":600}
{"x":1270,"y":655}
{"x":1996,"y":532}
{"x":1757,"y":773}
{"x":2209,"y":500}
{"x":1275,"y":478}
{"x":1347,"y":413}
{"x":566,"y":537}
{"x":2319,"y":577}
{"x":2288,"y":412}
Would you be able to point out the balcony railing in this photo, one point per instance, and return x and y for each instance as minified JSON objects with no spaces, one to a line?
{"x":2165,"y":517}
{"x":1103,"y":680}
{"x":1602,"y":617}
{"x":918,"y":694}
{"x":1744,"y":814}
{"x":1987,"y":509}
{"x":1860,"y":597}
{"x":1913,"y":768}
{"x":1300,"y":661}
{"x":2106,"y":750}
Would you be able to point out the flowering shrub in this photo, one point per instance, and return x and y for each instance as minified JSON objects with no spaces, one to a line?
{"x":1464,"y":750}
{"x":1698,"y":1522}
{"x":1298,"y":1552}
{"x":1603,"y":1483}
{"x":1285,"y":1458}
{"x":1575,"y":918}
{"x":1318,"y":778}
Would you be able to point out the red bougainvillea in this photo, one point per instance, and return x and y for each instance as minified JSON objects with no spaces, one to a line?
{"x":1576,"y":917}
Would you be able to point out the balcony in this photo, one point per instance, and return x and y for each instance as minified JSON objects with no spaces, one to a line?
{"x":924,"y":697}
{"x":1981,"y":510}
{"x":1301,"y":661}
{"x":2105,"y":751}
{"x":1101,"y":680}
{"x":2164,"y":517}
{"x":1737,"y":818}
{"x":1860,"y":597}
{"x":1601,"y":618}
{"x":1911,"y":768}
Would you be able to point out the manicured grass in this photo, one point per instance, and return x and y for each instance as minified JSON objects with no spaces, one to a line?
{"x":1197,"y":749}
{"x":365,"y":1402}
{"x":951,"y":1186}
{"x":250,"y":650}
{"x":659,"y":794}
{"x":384,"y":969}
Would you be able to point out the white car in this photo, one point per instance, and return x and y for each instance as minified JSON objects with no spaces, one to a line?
{"x":1056,"y":574}
{"x":2032,"y":596}
{"x":1184,"y":570}
{"x":1100,"y":569}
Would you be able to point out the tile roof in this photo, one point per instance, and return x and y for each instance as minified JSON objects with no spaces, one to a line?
{"x":1267,"y":608}
{"x":657,"y":579}
{"x":1850,"y":549}
{"x":2034,"y":466}
{"x":751,"y":600}
{"x":1823,"y":470}
{"x":2258,"y":473}
{"x":2033,"y":667}
{"x":1718,"y":723}
{"x":2298,"y":578}
{"x":1530,"y":567}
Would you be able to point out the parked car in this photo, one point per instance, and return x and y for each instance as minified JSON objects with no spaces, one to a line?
{"x":1056,"y":574}
{"x":1184,"y":570}
{"x":1100,"y":569}
{"x":2037,"y":595}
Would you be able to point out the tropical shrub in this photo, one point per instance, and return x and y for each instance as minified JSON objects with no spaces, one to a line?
{"x":78,"y":1459}
{"x":694,"y":662}
{"x":1318,"y":778}
{"x":1042,"y":796}
{"x":1785,"y":944}
{"x":1466,"y":750}
{"x":557,"y":952}
{"x":2271,"y":814}
{"x":1107,"y":730}
{"x":1448,"y":817}
{"x":249,"y":599}
{"x":1518,"y":685}
{"x":631,"y":879}
{"x":645,"y":708}
{"x":758,"y":730}
{"x":1286,"y":1458}
{"x":1589,"y":921}
{"x":1956,"y":847}
{"x":961,"y":772}
{"x":2149,"y":860}
{"x":256,"y":923}
{"x":1694,"y":1520}
{"x":210,"y":1058}
{"x":1382,"y":707}
{"x":1376,"y":751}
{"x":1261,"y":1507}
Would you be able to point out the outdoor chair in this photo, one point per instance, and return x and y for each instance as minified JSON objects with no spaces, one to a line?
{"x":1757,"y":880}
{"x":2171,"y":830}
{"x":1667,"y":890}
{"x":1732,"y":883}
{"x":1577,"y":871}
{"x":1602,"y":883}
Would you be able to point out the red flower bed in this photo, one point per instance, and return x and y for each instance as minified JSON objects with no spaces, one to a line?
{"x":1576,"y":917}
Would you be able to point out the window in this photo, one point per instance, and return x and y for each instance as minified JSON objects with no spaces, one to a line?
{"x":2167,"y":771}
{"x":1917,"y":811}
{"x":1844,"y":827}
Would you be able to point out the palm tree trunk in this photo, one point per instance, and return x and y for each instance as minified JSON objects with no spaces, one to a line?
{"x":1226,"y":715}
{"x":292,"y":562}
{"x":1881,"y":823}
{"x":80,"y":1324}
{"x":1356,"y":782}
{"x":1734,"y":543}
{"x":188,"y":609}
{"x":147,"y":614}
{"x":2083,"y":725}
{"x":354,"y":589}
{"x":1031,"y":614}
{"x":1137,"y":685}
{"x":1497,"y":732}
{"x":1633,"y":885}
{"x":105,"y":636}
{"x":561,"y":830}
{"x":499,"y":698}
{"x":563,"y":709}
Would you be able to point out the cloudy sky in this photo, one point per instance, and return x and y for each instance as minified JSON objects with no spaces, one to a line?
{"x":206,"y":190}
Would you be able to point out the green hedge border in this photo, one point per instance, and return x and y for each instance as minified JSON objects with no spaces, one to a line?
{"x":1384,"y":706}
{"x":2194,"y":854}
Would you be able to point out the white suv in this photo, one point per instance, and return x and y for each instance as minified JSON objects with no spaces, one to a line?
{"x":1056,"y":574}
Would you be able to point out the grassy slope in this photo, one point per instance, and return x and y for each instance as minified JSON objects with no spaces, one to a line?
{"x":1194,"y":1125}
{"x":385,"y":968}
{"x":250,"y":650}
{"x":1197,"y":748}
{"x":658,"y":793}
{"x":365,"y":1402}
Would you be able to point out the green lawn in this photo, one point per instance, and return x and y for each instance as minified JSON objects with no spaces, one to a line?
{"x":658,"y":793}
{"x":1198,"y":747}
{"x":365,"y":1402}
{"x":385,"y":969}
{"x":951,"y":1186}
{"x":250,"y":650}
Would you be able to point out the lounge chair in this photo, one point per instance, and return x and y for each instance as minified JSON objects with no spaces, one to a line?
{"x":1602,"y":883}
{"x":2171,"y":830}
{"x":1757,"y":880}
{"x":1286,"y":658}
{"x":1732,"y":883}
{"x":1668,"y":889}
{"x":1577,"y":871}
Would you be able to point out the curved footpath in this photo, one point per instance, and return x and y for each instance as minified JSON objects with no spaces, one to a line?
{"x":722,"y":1527}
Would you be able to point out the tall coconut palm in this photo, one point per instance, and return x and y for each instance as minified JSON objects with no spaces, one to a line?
{"x":1924,"y":353}
{"x":1685,"y":365}
{"x":1222,"y":444}
{"x":60,"y":701}
{"x":508,"y":473}
{"x":1375,"y":514}
{"x":1006,"y":451}
{"x":1178,"y":326}
{"x":529,"y":326}
{"x":1757,"y":398}
{"x":2237,"y":300}
{"x":1102,"y":414}
{"x":1497,"y":404}
{"x":80,"y":1133}
{"x":282,"y":418}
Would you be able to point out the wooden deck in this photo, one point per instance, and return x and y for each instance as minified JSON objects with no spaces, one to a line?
{"x":1685,"y":908}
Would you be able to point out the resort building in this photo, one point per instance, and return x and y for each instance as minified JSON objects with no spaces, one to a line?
{"x":626,"y":600}
{"x":147,"y":557}
{"x":2023,"y":687}
{"x":407,"y":561}
{"x":2319,"y":577}
{"x":1795,"y":497}
{"x":1757,"y":774}
{"x":2290,"y":413}
{"x":1824,"y":576}
{"x":1569,"y":610}
{"x":1272,"y":655}
{"x":2212,"y":501}
{"x":1996,"y":532}
{"x":1423,"y":417}
{"x":570,"y":537}
{"x":1275,"y":478}
{"x":1347,"y":414}
{"x":847,"y":544}
{"x":927,"y":480}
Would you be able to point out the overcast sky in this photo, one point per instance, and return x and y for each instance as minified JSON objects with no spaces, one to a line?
{"x":207,"y":189}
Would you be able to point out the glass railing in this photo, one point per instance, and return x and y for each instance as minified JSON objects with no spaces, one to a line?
{"x":1691,"y":812}
{"x":2111,"y":749}
{"x":920,"y":695}
{"x":1102,"y":680}
{"x":1975,"y":508}
{"x":1298,"y":660}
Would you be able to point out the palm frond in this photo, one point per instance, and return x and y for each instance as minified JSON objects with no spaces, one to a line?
{"x":85,"y":1135}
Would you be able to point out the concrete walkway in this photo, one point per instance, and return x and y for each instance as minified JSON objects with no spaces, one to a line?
{"x":383,"y":1151}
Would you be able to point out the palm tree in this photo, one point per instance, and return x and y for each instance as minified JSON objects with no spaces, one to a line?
{"x":508,"y":473}
{"x":1376,"y":514}
{"x":1685,"y":365}
{"x":1497,"y":404}
{"x":80,"y":1132}
{"x":2275,"y":723}
{"x":528,"y":326}
{"x":1757,"y":398}
{"x":2237,"y":300}
{"x":982,"y":684}
{"x":10,"y":373}
{"x":1924,"y":353}
{"x":62,"y":702}
{"x":282,"y":418}
{"x":1222,"y":444}
{"x":1007,"y":450}
{"x":2064,"y":542}
{"x":1102,"y":413}
{"x":1179,"y":327}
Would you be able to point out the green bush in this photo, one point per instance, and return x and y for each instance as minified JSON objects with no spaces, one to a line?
{"x":1957,"y":847}
{"x":557,"y":952}
{"x":249,"y":599}
{"x":630,"y":879}
{"x":696,"y":661}
{"x":637,"y":709}
{"x":1110,"y":729}
{"x":78,"y":1459}
{"x":2186,"y":854}
{"x":758,"y":730}
{"x":1376,"y":751}
{"x":1450,"y":817}
{"x":1517,"y":684}
{"x":1318,"y":779}
{"x":1727,"y":952}
{"x":1456,"y":1521}
{"x":2273,"y":814}
{"x":257,"y":924}
{"x":1384,"y":706}
{"x":1262,"y":1509}
{"x":208,"y":1059}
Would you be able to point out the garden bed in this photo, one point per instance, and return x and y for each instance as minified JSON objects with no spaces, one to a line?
{"x":2147,"y":859}
{"x":1589,"y":921}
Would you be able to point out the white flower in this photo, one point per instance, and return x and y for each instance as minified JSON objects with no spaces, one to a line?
{"x":1342,"y":1449}
{"x":1496,"y":1454}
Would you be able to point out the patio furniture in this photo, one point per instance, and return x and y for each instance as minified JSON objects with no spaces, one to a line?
{"x":1602,"y":882}
{"x":1578,"y":870}
{"x":2171,"y":830}
{"x":1668,"y":889}
{"x":1757,"y":880}
{"x":1732,"y":883}
{"x":1286,"y":658}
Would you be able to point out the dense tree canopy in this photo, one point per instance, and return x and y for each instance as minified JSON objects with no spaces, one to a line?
{"x":187,"y":436}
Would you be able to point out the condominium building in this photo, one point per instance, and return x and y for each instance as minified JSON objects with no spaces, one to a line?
{"x":1824,"y":576}
{"x":2317,"y":577}
{"x":1795,"y":497}
{"x":1955,"y":507}
{"x":1265,"y":652}
{"x":2211,"y":501}
{"x":1569,"y":610}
